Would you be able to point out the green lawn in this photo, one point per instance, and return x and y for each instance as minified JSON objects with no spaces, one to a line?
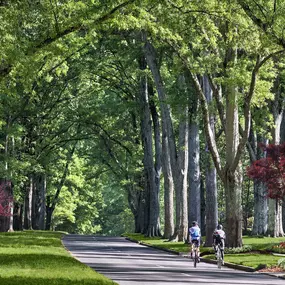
{"x":249,"y":255}
{"x":262,"y":243}
{"x":38,"y":257}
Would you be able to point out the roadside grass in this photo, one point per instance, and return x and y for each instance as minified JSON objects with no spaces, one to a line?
{"x":159,"y":242}
{"x":39,"y":258}
{"x":255,"y":253}
{"x":254,"y":260}
{"x":262,"y":243}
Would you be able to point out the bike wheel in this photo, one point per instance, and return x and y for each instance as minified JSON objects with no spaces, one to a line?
{"x":195,"y":257}
{"x":219,"y":258}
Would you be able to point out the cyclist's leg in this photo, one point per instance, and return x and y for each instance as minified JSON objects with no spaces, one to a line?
{"x":198,"y":249}
{"x":192,"y":249}
{"x":215,"y":245}
{"x":222,"y":243}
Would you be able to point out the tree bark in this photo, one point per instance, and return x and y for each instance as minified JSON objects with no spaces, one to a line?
{"x":181,"y":228}
{"x":178,"y":173}
{"x":275,"y":224}
{"x":28,"y":204}
{"x":168,"y":191}
{"x":158,"y":150}
{"x":233,"y":176}
{"x":260,"y":222}
{"x":210,"y":175}
{"x":151,"y":190}
{"x":194,"y":178}
{"x":18,"y":217}
{"x":42,"y":201}
{"x":194,"y":169}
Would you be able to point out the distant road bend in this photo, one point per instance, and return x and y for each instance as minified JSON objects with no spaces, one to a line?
{"x":128,"y":263}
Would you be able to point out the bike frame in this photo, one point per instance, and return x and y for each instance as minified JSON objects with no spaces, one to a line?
{"x":195,"y":251}
{"x":219,"y":256}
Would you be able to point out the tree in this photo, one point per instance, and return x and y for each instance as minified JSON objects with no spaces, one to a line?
{"x":6,"y":204}
{"x":271,"y":170}
{"x":228,"y":88}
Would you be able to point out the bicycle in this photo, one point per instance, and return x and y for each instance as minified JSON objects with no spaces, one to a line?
{"x":219,"y":256}
{"x":195,"y":251}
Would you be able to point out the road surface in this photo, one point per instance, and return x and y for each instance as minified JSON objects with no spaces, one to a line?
{"x":128,"y":263}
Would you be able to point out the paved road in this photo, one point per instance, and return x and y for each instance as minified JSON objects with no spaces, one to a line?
{"x":128,"y":263}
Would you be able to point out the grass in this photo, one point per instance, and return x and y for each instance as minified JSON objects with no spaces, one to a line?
{"x":262,"y":243}
{"x":256,"y":255}
{"x":38,"y":258}
{"x":160,"y":243}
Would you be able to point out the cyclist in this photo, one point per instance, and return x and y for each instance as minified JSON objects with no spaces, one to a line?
{"x":219,"y":237}
{"x":195,"y":237}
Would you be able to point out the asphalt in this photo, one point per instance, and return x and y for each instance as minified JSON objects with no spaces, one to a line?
{"x":129,"y":263}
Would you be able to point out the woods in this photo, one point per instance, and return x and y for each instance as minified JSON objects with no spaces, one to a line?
{"x":142,"y":116}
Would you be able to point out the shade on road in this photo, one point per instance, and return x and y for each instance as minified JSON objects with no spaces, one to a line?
{"x":129,"y":263}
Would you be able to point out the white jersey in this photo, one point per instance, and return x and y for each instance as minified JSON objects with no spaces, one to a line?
{"x":220,"y":233}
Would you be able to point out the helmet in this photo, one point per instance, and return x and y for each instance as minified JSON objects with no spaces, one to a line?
{"x":219,"y":227}
{"x":194,"y":223}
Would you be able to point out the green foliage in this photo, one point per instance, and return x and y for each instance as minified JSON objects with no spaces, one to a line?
{"x":280,"y":248}
{"x":73,"y":78}
{"x":281,"y":263}
{"x":245,"y":248}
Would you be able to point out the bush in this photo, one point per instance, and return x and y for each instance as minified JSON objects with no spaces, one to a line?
{"x":281,"y":263}
{"x":279,"y":248}
{"x":261,"y":266}
{"x":233,"y":250}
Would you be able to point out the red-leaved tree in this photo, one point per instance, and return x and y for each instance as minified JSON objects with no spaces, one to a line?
{"x":6,"y":198}
{"x":271,"y":170}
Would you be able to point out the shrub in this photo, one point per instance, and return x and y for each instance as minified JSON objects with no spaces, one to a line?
{"x":245,"y":248}
{"x":261,"y":266}
{"x":279,"y":248}
{"x":281,"y":263}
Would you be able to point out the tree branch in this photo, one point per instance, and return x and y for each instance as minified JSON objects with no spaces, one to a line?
{"x":5,"y":70}
{"x":217,"y":96}
{"x":247,"y":115}
{"x":261,"y":24}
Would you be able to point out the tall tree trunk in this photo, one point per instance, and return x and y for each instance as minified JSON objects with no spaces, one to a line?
{"x":28,"y":204}
{"x":210,"y":176}
{"x":42,"y":202}
{"x":260,"y":221}
{"x":136,"y":200}
{"x":152,"y":203}
{"x":177,"y":161}
{"x":11,"y":220}
{"x":203,"y":208}
{"x":194,"y":172}
{"x":181,"y":193}
{"x":168,"y":191}
{"x":233,"y":176}
{"x":282,"y":140}
{"x":49,"y":212}
{"x":39,"y":203}
{"x":275,"y":224}
{"x":157,"y":147}
{"x":18,"y":217}
{"x":194,"y":178}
